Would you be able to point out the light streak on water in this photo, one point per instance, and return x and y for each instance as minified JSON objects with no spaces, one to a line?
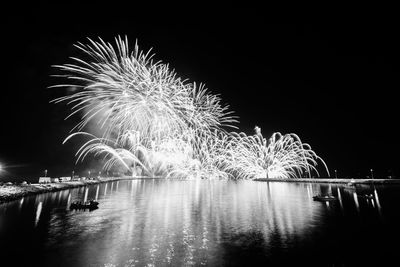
{"x":38,"y":212}
{"x":356,"y":201}
{"x":97,"y":192}
{"x":21,"y":202}
{"x":86,"y":194}
{"x":309,"y":194}
{"x":378,"y":203}
{"x":340,"y":198}
{"x":69,"y":199}
{"x":133,"y":185}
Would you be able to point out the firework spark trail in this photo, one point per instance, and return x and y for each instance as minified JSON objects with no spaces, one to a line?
{"x":281,"y":156}
{"x":153,"y":119}
{"x":137,"y":94}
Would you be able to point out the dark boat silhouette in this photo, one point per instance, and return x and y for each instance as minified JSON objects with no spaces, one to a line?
{"x":78,"y":205}
{"x":324,"y":198}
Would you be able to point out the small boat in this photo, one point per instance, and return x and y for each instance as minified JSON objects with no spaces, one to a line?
{"x":78,"y":205}
{"x":324,"y":198}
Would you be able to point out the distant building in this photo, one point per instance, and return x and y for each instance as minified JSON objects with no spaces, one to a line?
{"x":54,"y":180}
{"x":65,"y":179}
{"x":76,"y":178}
{"x":44,"y":180}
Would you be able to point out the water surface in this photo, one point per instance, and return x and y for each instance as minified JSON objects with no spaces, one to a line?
{"x":203,"y":223}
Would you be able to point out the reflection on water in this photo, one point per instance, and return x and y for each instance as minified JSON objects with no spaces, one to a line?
{"x":355,"y":197}
{"x":20,"y":203}
{"x":86,"y":194}
{"x":69,"y":199}
{"x":97,"y":192}
{"x":378,"y":204}
{"x":201,"y":222}
{"x":38,"y":212}
{"x":340,"y":198}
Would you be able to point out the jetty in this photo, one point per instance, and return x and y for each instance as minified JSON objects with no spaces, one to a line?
{"x":331,"y":180}
{"x":10,"y":191}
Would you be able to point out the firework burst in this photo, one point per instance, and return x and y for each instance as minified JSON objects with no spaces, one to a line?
{"x":281,"y":156}
{"x":154,"y":120}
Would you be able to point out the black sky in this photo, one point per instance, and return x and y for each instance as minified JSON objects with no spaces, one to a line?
{"x":334,"y":85}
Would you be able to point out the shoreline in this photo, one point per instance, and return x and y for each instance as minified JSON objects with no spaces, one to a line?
{"x":331,"y":180}
{"x":13,"y":192}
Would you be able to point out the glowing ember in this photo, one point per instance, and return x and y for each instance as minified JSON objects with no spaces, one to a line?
{"x":155,"y":124}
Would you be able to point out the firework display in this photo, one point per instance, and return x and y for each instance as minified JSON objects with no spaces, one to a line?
{"x":153,"y":123}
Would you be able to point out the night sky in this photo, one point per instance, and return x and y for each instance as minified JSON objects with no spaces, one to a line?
{"x":333,"y":85}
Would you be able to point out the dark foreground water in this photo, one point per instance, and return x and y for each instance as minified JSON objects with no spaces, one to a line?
{"x":203,"y":223}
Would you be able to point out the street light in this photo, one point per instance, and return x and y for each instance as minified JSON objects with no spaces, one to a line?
{"x":335,"y":174}
{"x":73,"y":172}
{"x":372,"y":173}
{"x":45,"y":173}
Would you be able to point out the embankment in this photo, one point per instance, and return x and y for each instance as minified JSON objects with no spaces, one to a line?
{"x":13,"y":192}
{"x":331,"y":180}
